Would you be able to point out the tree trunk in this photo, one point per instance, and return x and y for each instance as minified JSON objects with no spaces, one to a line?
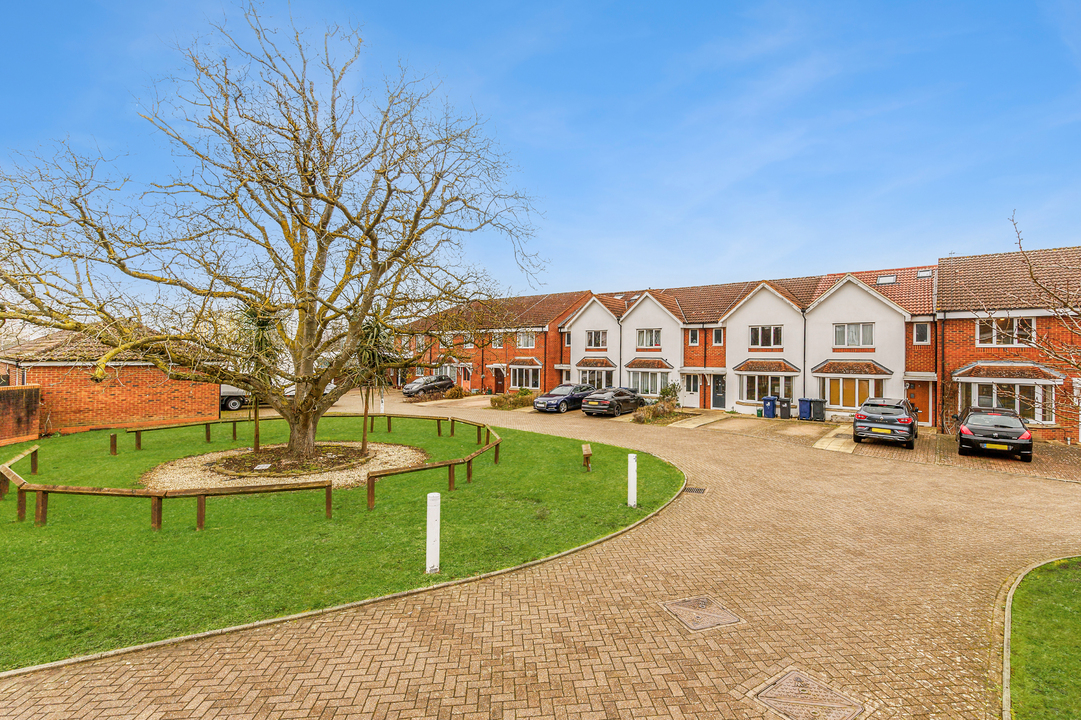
{"x":302,"y":436}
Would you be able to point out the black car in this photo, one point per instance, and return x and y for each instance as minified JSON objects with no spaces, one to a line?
{"x":997,"y":429}
{"x":886,"y":419}
{"x":563,"y":398}
{"x":612,"y":401}
{"x":431,"y":383}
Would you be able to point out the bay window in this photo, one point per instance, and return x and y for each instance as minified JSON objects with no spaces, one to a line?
{"x":1034,"y":403}
{"x":849,"y":393}
{"x":597,"y":378}
{"x":524,"y":377}
{"x":647,"y":383}
{"x":756,"y":387}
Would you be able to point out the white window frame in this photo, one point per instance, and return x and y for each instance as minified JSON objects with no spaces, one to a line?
{"x":861,"y":332}
{"x":1043,"y":406}
{"x":718,"y":337}
{"x":692,"y":337}
{"x":527,"y":340}
{"x":1011,"y":335}
{"x":566,"y":339}
{"x":649,"y":338}
{"x":876,"y":389}
{"x":468,"y":344}
{"x":915,"y":331}
{"x":596,"y":339}
{"x":647,"y":382}
{"x":776,"y":332}
{"x":781,"y":381}
{"x":599,"y":379}
{"x":690,"y":383}
{"x":497,"y":341}
{"x":531,"y":376}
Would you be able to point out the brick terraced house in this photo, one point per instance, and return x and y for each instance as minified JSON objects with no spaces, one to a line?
{"x":940,"y":335}
{"x":134,"y":393}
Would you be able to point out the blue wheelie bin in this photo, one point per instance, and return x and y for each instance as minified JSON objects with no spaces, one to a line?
{"x":769,"y":406}
{"x":805,"y":408}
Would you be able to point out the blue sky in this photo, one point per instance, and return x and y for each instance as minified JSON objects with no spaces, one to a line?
{"x":668,"y":145}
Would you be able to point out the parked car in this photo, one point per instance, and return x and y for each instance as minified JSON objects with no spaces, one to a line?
{"x":562,"y":398}
{"x":886,"y":419}
{"x":292,"y":389}
{"x":998,"y":430}
{"x":612,"y":401}
{"x":232,"y":398}
{"x":427,"y":384}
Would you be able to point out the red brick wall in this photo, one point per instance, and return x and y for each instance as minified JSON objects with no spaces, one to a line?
{"x":704,"y":354}
{"x":18,"y":413}
{"x":920,"y":358}
{"x":129,"y":396}
{"x":959,"y":349}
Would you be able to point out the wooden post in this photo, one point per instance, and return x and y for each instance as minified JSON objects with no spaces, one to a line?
{"x":41,"y":508}
{"x":234,"y":430}
{"x":496,"y":454}
{"x":112,"y":444}
{"x":469,"y":471}
{"x":34,"y":463}
{"x":200,"y":511}
{"x":20,"y":504}
{"x":373,"y":423}
{"x":439,"y":427}
{"x":450,"y":477}
{"x":487,"y":436}
{"x":3,"y":486}
{"x":255,"y":433}
{"x":452,"y":427}
{"x":155,"y":512}
{"x":388,"y":424}
{"x":329,"y":497}
{"x":478,"y":434}
{"x":208,"y":432}
{"x":371,"y":492}
{"x":138,"y":439}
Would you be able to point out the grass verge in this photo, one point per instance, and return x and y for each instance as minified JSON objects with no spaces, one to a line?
{"x":97,"y":577}
{"x":1045,"y":664}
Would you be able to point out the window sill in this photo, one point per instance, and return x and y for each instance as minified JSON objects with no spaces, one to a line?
{"x":648,"y":349}
{"x":850,"y":348}
{"x":766,"y":349}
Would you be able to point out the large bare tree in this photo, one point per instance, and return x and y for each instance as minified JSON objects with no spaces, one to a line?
{"x":303,"y":197}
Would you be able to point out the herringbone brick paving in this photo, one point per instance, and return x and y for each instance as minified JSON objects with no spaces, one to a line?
{"x":876,"y":577}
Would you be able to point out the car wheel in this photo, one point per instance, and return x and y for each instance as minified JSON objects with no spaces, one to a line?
{"x":910,"y":445}
{"x":617,"y":411}
{"x":961,"y":449}
{"x":1026,"y":457}
{"x":233,"y":403}
{"x":563,"y":406}
{"x":856,"y":438}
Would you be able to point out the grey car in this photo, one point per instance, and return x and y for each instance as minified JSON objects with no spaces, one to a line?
{"x":886,"y":419}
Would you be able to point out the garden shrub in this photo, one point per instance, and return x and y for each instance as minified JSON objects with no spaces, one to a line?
{"x":455,"y":393}
{"x":522,"y":398}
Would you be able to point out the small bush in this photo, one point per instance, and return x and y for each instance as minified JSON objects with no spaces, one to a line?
{"x":522,"y":398}
{"x":455,"y":393}
{"x":660,"y":409}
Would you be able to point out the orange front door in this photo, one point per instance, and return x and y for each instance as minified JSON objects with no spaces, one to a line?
{"x":919,"y":394}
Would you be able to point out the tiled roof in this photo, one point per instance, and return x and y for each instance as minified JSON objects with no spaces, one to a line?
{"x":1003,"y":282}
{"x":514,"y":312}
{"x":1016,"y":371}
{"x":596,"y":362}
{"x":620,"y":302}
{"x":766,"y":366}
{"x":648,"y":364}
{"x":63,"y":346}
{"x":707,"y":303}
{"x":915,"y":294}
{"x":850,"y":367}
{"x":527,"y":361}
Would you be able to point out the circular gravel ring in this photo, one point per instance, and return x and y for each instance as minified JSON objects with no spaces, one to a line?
{"x":216,"y":467}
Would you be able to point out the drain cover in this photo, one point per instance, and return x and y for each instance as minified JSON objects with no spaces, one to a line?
{"x":699,"y":491}
{"x":700,"y":613}
{"x":799,"y":697}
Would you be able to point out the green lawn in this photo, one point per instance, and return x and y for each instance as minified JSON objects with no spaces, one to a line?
{"x":97,"y":577}
{"x":1045,"y":658}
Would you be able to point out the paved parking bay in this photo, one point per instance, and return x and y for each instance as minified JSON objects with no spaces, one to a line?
{"x":873,"y":578}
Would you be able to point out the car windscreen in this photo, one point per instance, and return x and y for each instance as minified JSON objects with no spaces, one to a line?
{"x":990,"y":420}
{"x":561,"y":390}
{"x":883,"y":409}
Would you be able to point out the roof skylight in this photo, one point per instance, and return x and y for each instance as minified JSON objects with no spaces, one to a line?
{"x":925,"y":273}
{"x":886,"y":280}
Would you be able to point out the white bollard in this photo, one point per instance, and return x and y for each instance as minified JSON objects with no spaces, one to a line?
{"x":632,"y":480}
{"x":382,"y":402}
{"x":432,"y":560}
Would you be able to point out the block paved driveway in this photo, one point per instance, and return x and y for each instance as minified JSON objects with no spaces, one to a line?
{"x":879,"y":578}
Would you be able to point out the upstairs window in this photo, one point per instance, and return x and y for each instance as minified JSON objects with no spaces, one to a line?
{"x":1004,"y":331}
{"x":766,"y":336}
{"x":921,"y":334}
{"x":718,"y":336}
{"x":649,"y":338}
{"x":692,"y":336}
{"x":527,"y":340}
{"x":497,"y":341}
{"x":854,"y":335}
{"x":566,"y":339}
{"x":596,"y":338}
{"x":468,"y":345}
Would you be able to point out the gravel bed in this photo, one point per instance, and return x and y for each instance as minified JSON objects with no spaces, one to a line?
{"x":192,"y":472}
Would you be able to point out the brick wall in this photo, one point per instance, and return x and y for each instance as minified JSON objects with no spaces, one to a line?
{"x":959,"y":349}
{"x":19,"y":413}
{"x":704,"y":354}
{"x":131,"y":395}
{"x":920,"y":358}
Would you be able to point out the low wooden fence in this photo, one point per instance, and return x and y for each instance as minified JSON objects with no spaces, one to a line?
{"x":157,"y":497}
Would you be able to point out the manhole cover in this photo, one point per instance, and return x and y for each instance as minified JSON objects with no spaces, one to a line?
{"x":700,"y":613}
{"x":799,"y":697}
{"x":699,"y":491}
